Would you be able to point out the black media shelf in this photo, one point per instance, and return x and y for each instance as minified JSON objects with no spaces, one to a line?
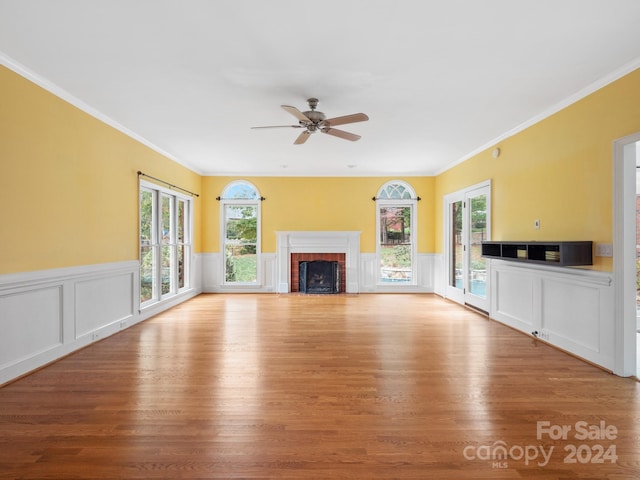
{"x":563,"y":254}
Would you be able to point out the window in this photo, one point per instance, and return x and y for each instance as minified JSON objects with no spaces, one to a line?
{"x":165,"y":243}
{"x":240,"y":216}
{"x":396,"y":232}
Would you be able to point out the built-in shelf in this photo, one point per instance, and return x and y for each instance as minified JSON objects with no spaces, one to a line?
{"x":564,"y":254}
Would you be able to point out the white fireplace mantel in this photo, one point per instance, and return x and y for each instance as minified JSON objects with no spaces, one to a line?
{"x":347,"y":242}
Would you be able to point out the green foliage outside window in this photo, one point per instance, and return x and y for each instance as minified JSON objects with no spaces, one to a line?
{"x":241,"y":242}
{"x":396,"y":256}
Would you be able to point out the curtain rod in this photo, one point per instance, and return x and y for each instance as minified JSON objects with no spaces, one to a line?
{"x":262,"y":199}
{"x":141,"y":174}
{"x":381,"y":198}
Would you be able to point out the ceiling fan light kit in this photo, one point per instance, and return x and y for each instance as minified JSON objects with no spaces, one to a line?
{"x":314,"y":121}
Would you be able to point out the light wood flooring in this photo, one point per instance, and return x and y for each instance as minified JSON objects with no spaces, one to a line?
{"x":319,"y":387}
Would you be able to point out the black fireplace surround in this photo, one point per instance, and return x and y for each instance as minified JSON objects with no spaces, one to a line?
{"x":318,"y":276}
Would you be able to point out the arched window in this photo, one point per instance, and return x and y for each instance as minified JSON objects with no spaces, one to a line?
{"x":396,"y":190}
{"x":240,"y":228}
{"x":396,"y":205}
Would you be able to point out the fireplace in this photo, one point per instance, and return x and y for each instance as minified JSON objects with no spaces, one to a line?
{"x":316,"y":261}
{"x":318,"y":276}
{"x":305,"y":246}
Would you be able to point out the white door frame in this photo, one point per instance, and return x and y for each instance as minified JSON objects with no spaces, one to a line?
{"x":482,"y":303}
{"x":450,"y":292}
{"x":456,"y":294}
{"x":624,"y":253}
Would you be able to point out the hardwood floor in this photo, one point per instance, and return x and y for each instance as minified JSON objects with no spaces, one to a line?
{"x":319,"y":387}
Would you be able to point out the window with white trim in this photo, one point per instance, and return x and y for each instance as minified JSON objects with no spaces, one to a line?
{"x":240,"y":228}
{"x":165,"y":243}
{"x":396,"y":220}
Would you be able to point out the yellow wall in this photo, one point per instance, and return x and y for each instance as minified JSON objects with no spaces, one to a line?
{"x":323,"y":203}
{"x":68,"y":187}
{"x":558,"y":171}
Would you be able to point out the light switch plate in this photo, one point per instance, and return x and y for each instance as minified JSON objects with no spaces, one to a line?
{"x":604,"y":250}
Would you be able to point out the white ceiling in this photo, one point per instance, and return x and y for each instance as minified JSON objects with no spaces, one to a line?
{"x":440,"y":80}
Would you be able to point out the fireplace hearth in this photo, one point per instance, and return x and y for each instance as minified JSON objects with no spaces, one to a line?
{"x":319,"y":276}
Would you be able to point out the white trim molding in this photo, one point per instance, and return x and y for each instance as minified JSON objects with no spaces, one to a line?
{"x":570,"y":308}
{"x":599,"y":83}
{"x":47,"y":314}
{"x":58,"y":91}
{"x":347,"y":242}
{"x":625,"y":151}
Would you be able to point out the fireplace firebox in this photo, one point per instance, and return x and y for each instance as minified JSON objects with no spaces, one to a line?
{"x":319,"y":276}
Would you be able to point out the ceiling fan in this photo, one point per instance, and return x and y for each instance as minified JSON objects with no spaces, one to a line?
{"x":314,"y":121}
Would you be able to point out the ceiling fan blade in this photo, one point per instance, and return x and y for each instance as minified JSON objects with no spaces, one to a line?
{"x":296,"y":113}
{"x":341,"y":133}
{"x":353,"y":118}
{"x":280,"y":126}
{"x":303,"y":137}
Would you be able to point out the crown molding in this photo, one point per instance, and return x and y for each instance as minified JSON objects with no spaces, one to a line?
{"x":625,"y":69}
{"x":61,"y":93}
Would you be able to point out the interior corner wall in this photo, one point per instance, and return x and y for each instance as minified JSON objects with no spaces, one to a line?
{"x":558,"y":171}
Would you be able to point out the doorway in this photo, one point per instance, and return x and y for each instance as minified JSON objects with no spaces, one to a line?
{"x":467,"y":225}
{"x":625,"y":254}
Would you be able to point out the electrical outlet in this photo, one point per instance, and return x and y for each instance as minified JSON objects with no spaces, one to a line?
{"x":543,"y":334}
{"x":123,"y":324}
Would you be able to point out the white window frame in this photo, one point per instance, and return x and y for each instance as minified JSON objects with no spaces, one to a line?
{"x":412,"y":202}
{"x":254,"y":202}
{"x":158,"y":193}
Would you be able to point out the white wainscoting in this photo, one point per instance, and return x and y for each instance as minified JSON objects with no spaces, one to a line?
{"x":45,"y":315}
{"x":31,"y":322}
{"x":425,"y":268}
{"x":439,"y":275}
{"x":367,"y":277}
{"x":570,"y":308}
{"x":212,"y":272}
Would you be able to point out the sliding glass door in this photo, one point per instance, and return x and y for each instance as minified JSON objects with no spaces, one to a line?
{"x":467,"y":225}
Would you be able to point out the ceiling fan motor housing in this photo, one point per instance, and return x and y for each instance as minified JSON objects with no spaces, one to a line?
{"x":314,"y":116}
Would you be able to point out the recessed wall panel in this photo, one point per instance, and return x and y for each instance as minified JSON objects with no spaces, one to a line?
{"x":30,"y":322}
{"x":572,"y":312}
{"x":515,"y":296}
{"x":102,"y":301}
